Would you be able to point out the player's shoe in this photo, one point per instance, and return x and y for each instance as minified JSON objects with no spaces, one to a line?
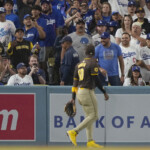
{"x":72,"y":136}
{"x":92,"y":144}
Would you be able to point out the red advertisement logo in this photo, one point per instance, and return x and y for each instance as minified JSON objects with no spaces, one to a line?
{"x":17,"y":117}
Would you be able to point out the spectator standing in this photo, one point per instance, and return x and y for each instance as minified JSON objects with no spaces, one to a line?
{"x":7,"y":28}
{"x":9,"y":13}
{"x":101,"y":28}
{"x":126,"y":27}
{"x":140,"y":12}
{"x":20,"y":49}
{"x":70,"y":60}
{"x":108,"y":55}
{"x":136,"y":78}
{"x":112,"y":27}
{"x":37,"y":74}
{"x":132,"y":9}
{"x":106,"y":11}
{"x":32,"y":31}
{"x":86,"y":14}
{"x":6,"y":69}
{"x":80,"y":39}
{"x":21,"y":78}
{"x":54,"y":20}
{"x":130,"y":53}
{"x":145,"y":54}
{"x":137,"y":37}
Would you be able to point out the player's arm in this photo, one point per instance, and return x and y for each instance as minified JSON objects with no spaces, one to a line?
{"x":100,"y":87}
{"x":75,"y":83}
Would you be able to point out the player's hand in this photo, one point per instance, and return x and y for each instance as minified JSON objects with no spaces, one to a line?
{"x":103,"y":71}
{"x":62,"y":83}
{"x":106,"y":96}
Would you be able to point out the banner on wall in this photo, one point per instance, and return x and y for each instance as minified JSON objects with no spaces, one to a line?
{"x":124,"y":118}
{"x":17,"y":117}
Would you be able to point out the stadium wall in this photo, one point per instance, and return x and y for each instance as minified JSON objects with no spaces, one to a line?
{"x":35,"y":116}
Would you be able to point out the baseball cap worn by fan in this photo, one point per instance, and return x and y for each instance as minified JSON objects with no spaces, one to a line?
{"x":131,"y":3}
{"x":45,"y":1}
{"x":136,"y":68}
{"x":27,"y":15}
{"x":101,"y":23}
{"x":66,"y":39}
{"x":140,"y":9}
{"x":105,"y":35}
{"x":2,"y":10}
{"x":20,"y":65}
{"x":115,"y":12}
{"x":19,"y":29}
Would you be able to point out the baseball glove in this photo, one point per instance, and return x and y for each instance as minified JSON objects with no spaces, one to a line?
{"x":70,"y":109}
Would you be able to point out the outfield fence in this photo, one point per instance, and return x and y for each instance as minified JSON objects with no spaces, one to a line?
{"x":35,"y":116}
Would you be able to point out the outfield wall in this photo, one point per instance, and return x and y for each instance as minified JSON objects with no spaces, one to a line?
{"x":35,"y":116}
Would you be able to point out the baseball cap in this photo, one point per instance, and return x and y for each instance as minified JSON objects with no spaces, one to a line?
{"x":105,"y":35}
{"x":139,"y":9}
{"x":131,"y":3}
{"x":45,"y":1}
{"x":148,"y":36}
{"x":113,"y":24}
{"x":19,"y":29}
{"x":27,"y":15}
{"x":147,"y":1}
{"x":2,"y":10}
{"x":66,"y":39}
{"x":136,"y":68}
{"x":20,"y":65}
{"x":115,"y":12}
{"x":80,"y":21}
{"x":101,"y":23}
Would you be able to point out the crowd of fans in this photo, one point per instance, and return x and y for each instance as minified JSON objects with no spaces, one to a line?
{"x":41,"y":41}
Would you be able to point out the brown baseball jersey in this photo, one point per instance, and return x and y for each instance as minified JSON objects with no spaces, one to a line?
{"x":85,"y":72}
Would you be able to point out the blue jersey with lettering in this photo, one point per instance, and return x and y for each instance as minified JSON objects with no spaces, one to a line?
{"x":53,"y":21}
{"x":14,"y":18}
{"x":31,"y":35}
{"x":88,"y":18}
{"x":108,"y":58}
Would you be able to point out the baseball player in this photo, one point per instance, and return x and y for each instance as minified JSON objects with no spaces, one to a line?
{"x":86,"y":78}
{"x":20,"y":79}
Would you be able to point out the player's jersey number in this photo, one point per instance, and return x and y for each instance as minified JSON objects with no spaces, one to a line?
{"x":81,"y":74}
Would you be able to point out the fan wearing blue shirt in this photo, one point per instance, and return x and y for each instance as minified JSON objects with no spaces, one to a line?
{"x":9,"y":13}
{"x":108,"y":55}
{"x":54,"y":20}
{"x":32,"y":33}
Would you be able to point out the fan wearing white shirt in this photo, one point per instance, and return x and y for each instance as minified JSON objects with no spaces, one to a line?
{"x":130,"y":53}
{"x":7,"y":28}
{"x":145,"y":55}
{"x":20,"y":79}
